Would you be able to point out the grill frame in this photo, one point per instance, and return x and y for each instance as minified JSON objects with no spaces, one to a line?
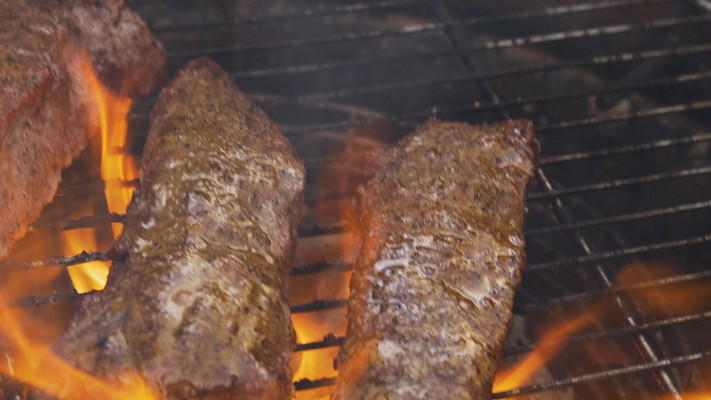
{"x":556,"y":195}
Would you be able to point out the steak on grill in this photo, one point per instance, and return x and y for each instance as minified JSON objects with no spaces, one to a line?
{"x":197,"y":301}
{"x":442,"y":252}
{"x":45,"y":105}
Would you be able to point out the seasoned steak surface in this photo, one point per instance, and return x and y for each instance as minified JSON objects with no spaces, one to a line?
{"x":197,"y":303}
{"x":45,"y":106}
{"x":442,"y":253}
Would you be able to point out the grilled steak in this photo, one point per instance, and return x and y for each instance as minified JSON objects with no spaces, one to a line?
{"x":197,"y":303}
{"x":45,"y":106}
{"x":442,"y":253}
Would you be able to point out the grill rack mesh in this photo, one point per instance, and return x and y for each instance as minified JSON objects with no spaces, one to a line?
{"x":561,"y":198}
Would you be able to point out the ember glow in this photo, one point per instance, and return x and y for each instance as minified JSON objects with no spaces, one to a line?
{"x":34,"y":364}
{"x":117,"y":167}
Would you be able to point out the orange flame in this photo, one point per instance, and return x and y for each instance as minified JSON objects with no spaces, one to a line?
{"x":312,"y":364}
{"x":688,"y":297}
{"x":654,"y":302}
{"x":87,"y":276}
{"x":551,"y":343}
{"x":117,"y":167}
{"x":34,"y":364}
{"x":312,"y":327}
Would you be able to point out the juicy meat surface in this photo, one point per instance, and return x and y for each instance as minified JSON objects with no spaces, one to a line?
{"x":442,"y":253}
{"x":197,"y":302}
{"x":45,"y":106}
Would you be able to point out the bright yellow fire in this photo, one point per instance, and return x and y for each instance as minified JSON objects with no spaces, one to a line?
{"x":88,"y":276}
{"x":117,"y":167}
{"x":312,"y":327}
{"x":312,"y":364}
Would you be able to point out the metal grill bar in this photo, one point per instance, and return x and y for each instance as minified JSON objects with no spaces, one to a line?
{"x":333,"y":341}
{"x":701,"y":205}
{"x":314,"y":306}
{"x":516,"y":42}
{"x":318,"y":267}
{"x":556,"y":301}
{"x":75,"y":223}
{"x":499,"y":73}
{"x":80,"y":258}
{"x":306,"y":384}
{"x":301,"y":14}
{"x":586,"y":155}
{"x":506,"y":104}
{"x":318,"y":305}
{"x":632,"y":369}
{"x":646,"y":350}
{"x":633,"y":148}
{"x":551,"y":193}
{"x":618,"y":183}
{"x":679,"y":79}
{"x":617,"y":289}
{"x":617,"y":331}
{"x":621,"y":218}
{"x":328,"y":341}
{"x":649,"y":113}
{"x":560,"y":126}
{"x":613,"y":184}
{"x":626,"y":252}
{"x":528,"y":69}
{"x":436,"y":26}
{"x":526,"y":308}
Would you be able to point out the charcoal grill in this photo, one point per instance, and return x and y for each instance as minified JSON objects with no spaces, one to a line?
{"x":618,"y":90}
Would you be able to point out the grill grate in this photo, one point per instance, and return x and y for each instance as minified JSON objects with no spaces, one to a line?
{"x":618,"y":92}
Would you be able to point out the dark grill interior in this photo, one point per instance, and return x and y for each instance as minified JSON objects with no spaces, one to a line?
{"x":621,"y":212}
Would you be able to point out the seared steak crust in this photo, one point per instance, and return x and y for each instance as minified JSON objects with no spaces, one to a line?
{"x":197,"y":303}
{"x":45,"y":106}
{"x":442,"y":253}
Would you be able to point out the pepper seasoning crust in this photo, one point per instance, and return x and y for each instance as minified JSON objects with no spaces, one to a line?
{"x":198,"y":302}
{"x":441,"y":223}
